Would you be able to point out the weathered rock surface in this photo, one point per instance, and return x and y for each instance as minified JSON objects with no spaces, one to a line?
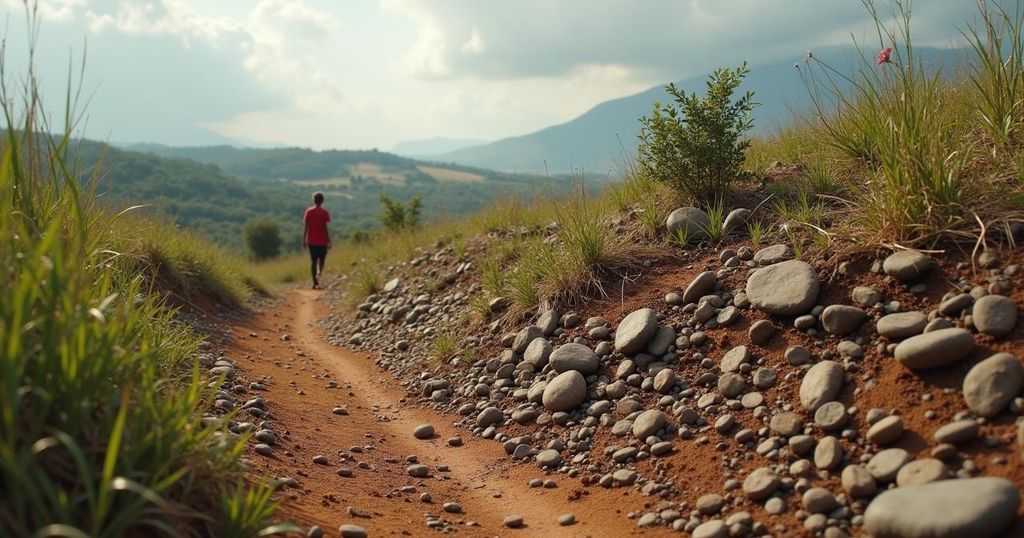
{"x":786,"y":289}
{"x":995,"y":315}
{"x":907,"y":265}
{"x":967,"y":508}
{"x":565,"y":391}
{"x":842,"y":319}
{"x":935,"y":349}
{"x":902,"y":325}
{"x":573,"y":356}
{"x":691,"y":219}
{"x":635,"y":331}
{"x":821,"y":384}
{"x":992,"y":383}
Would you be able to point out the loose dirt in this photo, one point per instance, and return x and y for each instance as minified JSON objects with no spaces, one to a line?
{"x":284,"y":349}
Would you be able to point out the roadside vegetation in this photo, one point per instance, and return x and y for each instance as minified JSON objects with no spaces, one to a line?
{"x":101,"y":401}
{"x":894,"y":154}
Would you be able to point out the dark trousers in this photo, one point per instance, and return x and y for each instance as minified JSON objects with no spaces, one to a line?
{"x":317,"y":257}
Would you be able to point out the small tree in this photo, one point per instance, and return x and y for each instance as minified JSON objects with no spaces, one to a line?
{"x":698,"y":148}
{"x":263,"y":237}
{"x":396,"y":216}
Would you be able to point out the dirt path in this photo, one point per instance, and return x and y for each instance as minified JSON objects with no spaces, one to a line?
{"x":285,"y":350}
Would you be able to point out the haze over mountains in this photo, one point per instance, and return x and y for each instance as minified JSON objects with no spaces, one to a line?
{"x":597,"y":141}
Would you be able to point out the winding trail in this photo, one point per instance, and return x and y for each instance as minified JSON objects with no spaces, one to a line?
{"x":284,"y":348}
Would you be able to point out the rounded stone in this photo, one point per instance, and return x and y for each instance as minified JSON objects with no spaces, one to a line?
{"x":821,"y":384}
{"x":901,"y":325}
{"x":886,"y":431}
{"x":935,"y":349}
{"x":566,"y":391}
{"x":831,"y":416}
{"x":907,"y":265}
{"x":715,"y":528}
{"x":858,"y":482}
{"x":760,"y":484}
{"x":992,"y":383}
{"x":884,"y":465}
{"x":734,"y":358}
{"x":731,"y":385}
{"x":691,"y":220}
{"x":842,"y":319}
{"x":549,"y":458}
{"x":524,"y":338}
{"x":349,"y":530}
{"x":974,"y":507}
{"x":576,"y":357}
{"x":648,"y":423}
{"x":665,"y":380}
{"x":819,"y":501}
{"x":786,"y":424}
{"x":537,"y":353}
{"x":995,"y":315}
{"x":786,"y":289}
{"x":956,"y":432}
{"x":760,"y":331}
{"x":773,"y":254}
{"x":828,"y":454}
{"x":701,"y":285}
{"x":423,"y":431}
{"x":635,"y":331}
{"x":921,"y":471}
{"x":513,"y":521}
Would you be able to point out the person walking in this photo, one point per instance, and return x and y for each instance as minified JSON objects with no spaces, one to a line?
{"x":315,"y":236}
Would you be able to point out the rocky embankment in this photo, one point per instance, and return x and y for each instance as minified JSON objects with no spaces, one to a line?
{"x":741,"y":392}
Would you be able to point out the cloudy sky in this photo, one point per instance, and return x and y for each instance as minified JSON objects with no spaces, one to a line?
{"x":372,"y":73}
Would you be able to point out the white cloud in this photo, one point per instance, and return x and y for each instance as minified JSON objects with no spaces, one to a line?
{"x":168,"y":18}
{"x":61,"y":11}
{"x":475,"y":43}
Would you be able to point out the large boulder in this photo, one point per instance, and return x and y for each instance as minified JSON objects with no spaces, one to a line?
{"x":574,"y":356}
{"x":787,"y":288}
{"x":635,"y":331}
{"x":965,"y":508}
{"x":565,"y":391}
{"x":691,"y":219}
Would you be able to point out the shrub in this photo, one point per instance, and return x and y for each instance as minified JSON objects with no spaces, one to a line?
{"x":398,"y":216}
{"x":697,"y":145}
{"x":263,"y":238}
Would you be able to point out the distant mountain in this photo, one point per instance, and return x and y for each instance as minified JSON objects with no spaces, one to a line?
{"x":598,"y":140}
{"x":431,"y":147}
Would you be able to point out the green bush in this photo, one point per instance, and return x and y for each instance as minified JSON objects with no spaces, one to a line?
{"x":263,"y":238}
{"x":396,"y":216}
{"x":697,"y":145}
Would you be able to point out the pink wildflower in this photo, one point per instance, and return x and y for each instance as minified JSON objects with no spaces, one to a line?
{"x":883,"y":57}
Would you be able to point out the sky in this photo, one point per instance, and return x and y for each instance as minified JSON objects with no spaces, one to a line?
{"x":359,"y":74}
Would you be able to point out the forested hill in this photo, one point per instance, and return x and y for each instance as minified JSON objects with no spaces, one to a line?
{"x":215,"y":190}
{"x":303,"y":164}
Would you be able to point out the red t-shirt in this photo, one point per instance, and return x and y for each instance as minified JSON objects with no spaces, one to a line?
{"x":316,"y":219}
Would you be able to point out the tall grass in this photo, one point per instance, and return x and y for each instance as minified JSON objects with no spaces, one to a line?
{"x":905,"y":126}
{"x":95,"y":438}
{"x":997,"y":72}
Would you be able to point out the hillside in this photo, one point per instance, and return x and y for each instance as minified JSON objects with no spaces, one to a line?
{"x":215,"y":190}
{"x":598,"y":139}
